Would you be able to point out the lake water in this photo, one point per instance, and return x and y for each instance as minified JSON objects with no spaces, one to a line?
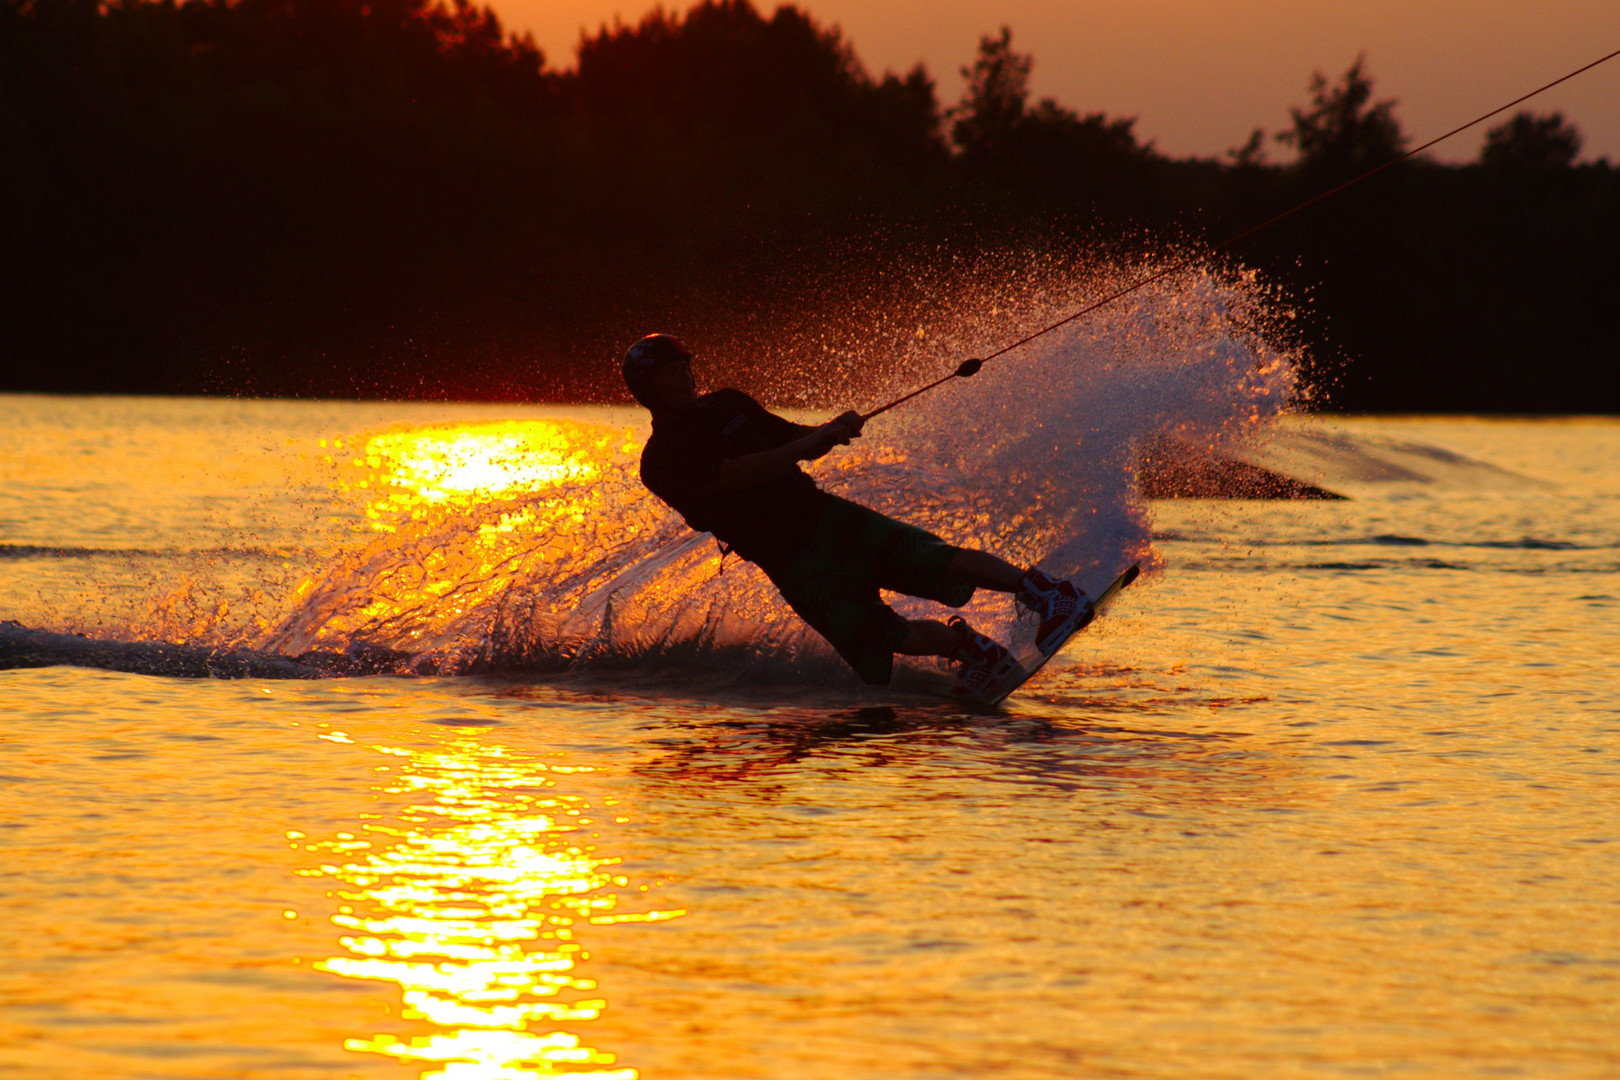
{"x":1331,"y":791}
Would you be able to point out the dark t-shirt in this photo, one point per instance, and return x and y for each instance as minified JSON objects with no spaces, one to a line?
{"x":768,"y":523}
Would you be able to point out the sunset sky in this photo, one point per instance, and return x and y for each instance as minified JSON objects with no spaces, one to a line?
{"x":1200,"y":74}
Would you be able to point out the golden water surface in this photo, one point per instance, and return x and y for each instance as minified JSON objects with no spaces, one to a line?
{"x":1333,"y":794}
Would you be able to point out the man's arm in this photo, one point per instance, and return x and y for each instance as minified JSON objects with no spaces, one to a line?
{"x":751,"y":469}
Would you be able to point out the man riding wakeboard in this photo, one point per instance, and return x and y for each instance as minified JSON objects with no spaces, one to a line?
{"x":731,"y":468}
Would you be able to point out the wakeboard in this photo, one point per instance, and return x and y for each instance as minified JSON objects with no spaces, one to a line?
{"x":1021,"y":668}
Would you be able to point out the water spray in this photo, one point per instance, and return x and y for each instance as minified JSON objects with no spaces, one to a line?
{"x":968,"y":368}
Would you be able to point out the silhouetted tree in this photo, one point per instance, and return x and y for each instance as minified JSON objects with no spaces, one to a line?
{"x":1252,"y":153}
{"x":396,"y":197}
{"x":1343,"y":130}
{"x":1529,"y":142}
{"x":996,"y":98}
{"x":724,"y":67}
{"x":725,"y":108}
{"x":1046,"y":152}
{"x":722,"y":64}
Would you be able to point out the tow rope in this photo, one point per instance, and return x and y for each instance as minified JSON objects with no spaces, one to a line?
{"x":968,"y":368}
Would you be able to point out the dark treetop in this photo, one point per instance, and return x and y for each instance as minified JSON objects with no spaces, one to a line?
{"x":395,"y":198}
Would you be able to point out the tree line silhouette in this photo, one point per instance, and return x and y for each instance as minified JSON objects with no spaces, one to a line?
{"x":398,"y":198}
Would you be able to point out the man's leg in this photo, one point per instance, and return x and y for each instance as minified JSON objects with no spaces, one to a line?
{"x":929,"y":637}
{"x":984,"y":571}
{"x":1059,"y":605}
{"x":981,"y":659}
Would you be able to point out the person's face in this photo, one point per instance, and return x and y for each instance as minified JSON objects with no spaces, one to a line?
{"x":671,"y":385}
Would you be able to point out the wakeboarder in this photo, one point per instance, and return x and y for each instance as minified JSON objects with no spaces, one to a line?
{"x":731,"y":468}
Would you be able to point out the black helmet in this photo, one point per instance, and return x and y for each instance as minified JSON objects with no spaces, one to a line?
{"x":653,"y":351}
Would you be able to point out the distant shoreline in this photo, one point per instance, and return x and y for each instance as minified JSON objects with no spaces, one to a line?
{"x":629,"y":404}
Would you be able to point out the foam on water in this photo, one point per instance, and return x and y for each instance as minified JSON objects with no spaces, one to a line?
{"x":1034,"y":459}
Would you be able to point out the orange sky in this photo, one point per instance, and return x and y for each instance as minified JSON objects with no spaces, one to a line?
{"x":1200,"y":74}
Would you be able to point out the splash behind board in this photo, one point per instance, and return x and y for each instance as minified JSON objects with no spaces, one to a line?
{"x":1033,"y":660}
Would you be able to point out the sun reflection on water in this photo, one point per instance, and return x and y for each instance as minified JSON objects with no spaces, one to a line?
{"x":469,"y":900}
{"x":478,"y":531}
{"x":425,"y":467}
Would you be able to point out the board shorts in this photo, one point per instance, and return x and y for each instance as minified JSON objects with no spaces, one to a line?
{"x":833,"y":583}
